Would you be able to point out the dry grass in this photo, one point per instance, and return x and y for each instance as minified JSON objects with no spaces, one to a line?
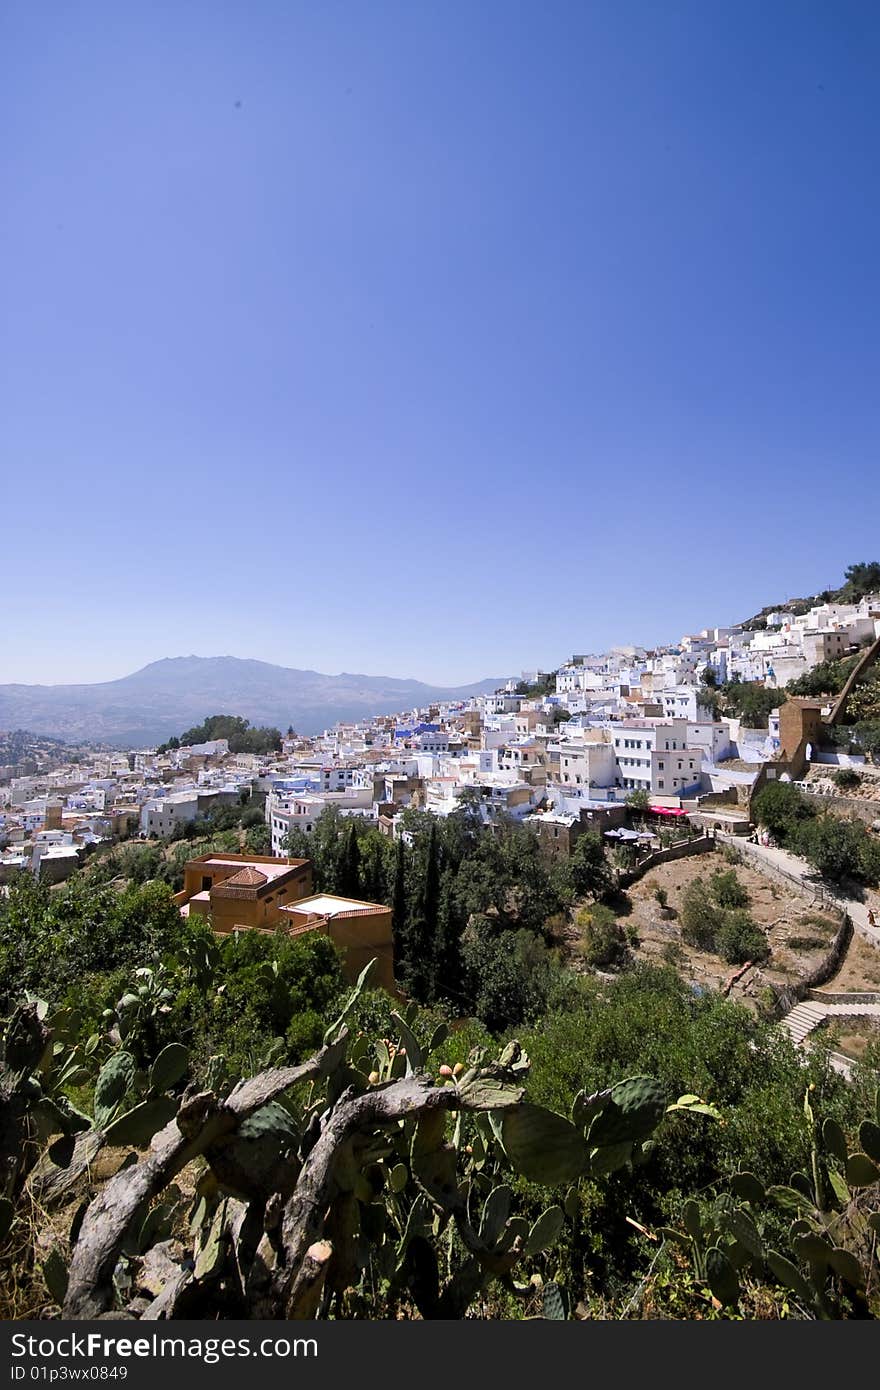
{"x":23,"y":1292}
{"x":799,"y":936}
{"x":852,"y":1036}
{"x":860,"y":969}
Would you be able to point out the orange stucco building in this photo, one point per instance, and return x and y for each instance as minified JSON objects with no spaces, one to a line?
{"x":360,"y":930}
{"x":243,"y":890}
{"x":261,"y":893}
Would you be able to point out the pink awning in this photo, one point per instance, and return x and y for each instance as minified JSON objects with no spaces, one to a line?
{"x":666,"y":811}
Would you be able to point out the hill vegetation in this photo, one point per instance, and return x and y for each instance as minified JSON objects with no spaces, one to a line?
{"x":859,"y":580}
{"x":237,"y":731}
{"x":505,"y":1192}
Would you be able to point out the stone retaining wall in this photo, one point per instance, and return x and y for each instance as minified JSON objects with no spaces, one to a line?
{"x":704,"y":844}
{"x":825,"y":970}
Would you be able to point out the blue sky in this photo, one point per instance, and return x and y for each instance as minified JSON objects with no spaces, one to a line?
{"x":432,"y":339}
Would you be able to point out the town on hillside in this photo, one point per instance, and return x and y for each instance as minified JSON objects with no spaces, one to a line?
{"x":242,"y":954}
{"x":690,"y":731}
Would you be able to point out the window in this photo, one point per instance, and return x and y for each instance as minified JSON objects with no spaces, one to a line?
{"x":660,"y":782}
{"x":660,"y":766}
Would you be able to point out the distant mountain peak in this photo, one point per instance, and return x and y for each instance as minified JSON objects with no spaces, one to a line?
{"x":176,"y":692}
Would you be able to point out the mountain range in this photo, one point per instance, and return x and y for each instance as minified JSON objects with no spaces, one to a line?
{"x":171,"y":695}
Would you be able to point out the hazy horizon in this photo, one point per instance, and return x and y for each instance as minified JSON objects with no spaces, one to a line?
{"x":430,"y":341}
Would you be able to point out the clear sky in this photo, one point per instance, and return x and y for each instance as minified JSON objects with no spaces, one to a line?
{"x":431,"y":339}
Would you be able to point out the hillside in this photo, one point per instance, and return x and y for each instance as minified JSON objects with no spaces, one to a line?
{"x":859,"y":580}
{"x":159,"y":700}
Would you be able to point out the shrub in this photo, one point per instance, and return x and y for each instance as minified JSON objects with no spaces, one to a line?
{"x":781,"y":808}
{"x":699,"y":916}
{"x":727,"y":890}
{"x":846,"y":777}
{"x":662,"y":896}
{"x":739,"y":939}
{"x":588,"y":867}
{"x":603,"y":941}
{"x":835,"y":848}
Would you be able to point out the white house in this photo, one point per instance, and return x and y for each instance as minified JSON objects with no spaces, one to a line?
{"x":162,"y":816}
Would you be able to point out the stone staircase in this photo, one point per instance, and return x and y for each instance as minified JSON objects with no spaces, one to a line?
{"x":802,"y":1019}
{"x":805,"y":1017}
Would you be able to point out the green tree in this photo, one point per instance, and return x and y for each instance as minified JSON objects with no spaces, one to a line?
{"x":241,"y":737}
{"x":781,"y":808}
{"x":726,"y":889}
{"x":509,"y":974}
{"x":866,"y":736}
{"x":863,"y":706}
{"x":349,"y":879}
{"x":699,"y":915}
{"x":400,"y":911}
{"x":422,"y":945}
{"x":751,"y":702}
{"x":826,"y":678}
{"x":589,"y":869}
{"x":860,"y":580}
{"x":739,"y":939}
{"x":376,"y":866}
{"x":834,"y":847}
{"x":258,"y":839}
{"x":603,"y":941}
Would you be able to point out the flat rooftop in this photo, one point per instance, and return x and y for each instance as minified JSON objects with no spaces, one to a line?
{"x":270,"y":871}
{"x":325,"y":905}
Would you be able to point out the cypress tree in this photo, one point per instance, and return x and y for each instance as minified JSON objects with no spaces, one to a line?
{"x":424,"y":943}
{"x":349,"y":875}
{"x":399,"y":909}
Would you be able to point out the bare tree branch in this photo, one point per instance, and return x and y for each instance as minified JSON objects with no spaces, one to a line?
{"x":200,"y":1122}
